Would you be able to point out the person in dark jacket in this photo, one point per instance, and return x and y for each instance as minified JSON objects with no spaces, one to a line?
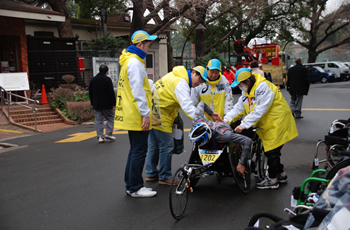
{"x":297,"y":85}
{"x":102,"y":98}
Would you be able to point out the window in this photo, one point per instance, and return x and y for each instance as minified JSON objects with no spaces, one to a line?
{"x":332,"y":65}
{"x":320,"y":65}
{"x":149,"y":61}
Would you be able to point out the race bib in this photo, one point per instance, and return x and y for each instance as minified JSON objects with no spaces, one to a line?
{"x":209,"y":156}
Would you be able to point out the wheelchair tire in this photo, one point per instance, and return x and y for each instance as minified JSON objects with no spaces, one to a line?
{"x":243,"y":183}
{"x":337,"y":167}
{"x":261,"y":162}
{"x":332,"y":160}
{"x":194,"y":159}
{"x":178,"y":195}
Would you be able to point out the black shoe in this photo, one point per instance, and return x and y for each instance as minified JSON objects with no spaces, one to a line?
{"x":282,"y":179}
{"x":299,"y":117}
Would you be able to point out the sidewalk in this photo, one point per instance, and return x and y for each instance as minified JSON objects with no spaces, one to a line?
{"x":8,"y":131}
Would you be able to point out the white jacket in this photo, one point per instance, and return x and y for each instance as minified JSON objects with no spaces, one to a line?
{"x":219,"y":92}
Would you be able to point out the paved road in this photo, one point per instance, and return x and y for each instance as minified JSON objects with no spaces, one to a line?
{"x":65,"y":180}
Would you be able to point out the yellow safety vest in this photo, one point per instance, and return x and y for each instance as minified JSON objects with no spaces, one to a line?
{"x":165,"y":100}
{"x":127,"y":114}
{"x":277,"y":125}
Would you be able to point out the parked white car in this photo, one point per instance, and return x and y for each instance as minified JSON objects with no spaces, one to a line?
{"x":339,"y":69}
{"x":347,"y":63}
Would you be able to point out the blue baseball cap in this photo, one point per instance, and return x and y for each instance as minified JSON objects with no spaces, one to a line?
{"x":241,"y":75}
{"x":203,"y":72}
{"x":141,"y":35}
{"x":214,"y":64}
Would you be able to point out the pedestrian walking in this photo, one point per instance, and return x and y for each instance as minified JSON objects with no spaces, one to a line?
{"x":297,"y":85}
{"x":102,"y":98}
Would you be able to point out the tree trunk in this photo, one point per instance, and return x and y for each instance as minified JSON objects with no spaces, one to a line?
{"x":312,"y":55}
{"x":137,"y":23}
{"x":65,"y":29}
{"x":200,"y":44}
{"x":170,"y":54}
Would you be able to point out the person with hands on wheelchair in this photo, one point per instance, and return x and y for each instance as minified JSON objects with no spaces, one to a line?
{"x":263,"y":105}
{"x":204,"y":130}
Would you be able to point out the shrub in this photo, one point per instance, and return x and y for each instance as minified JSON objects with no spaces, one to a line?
{"x":74,"y":111}
{"x":81,"y":94}
{"x":68,"y":78}
{"x":80,"y":112}
{"x":60,"y":97}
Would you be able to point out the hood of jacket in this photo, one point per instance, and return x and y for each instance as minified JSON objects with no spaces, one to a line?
{"x":180,"y":71}
{"x":258,"y":80}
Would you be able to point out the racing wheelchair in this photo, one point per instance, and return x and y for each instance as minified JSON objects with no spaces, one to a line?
{"x":222,"y":158}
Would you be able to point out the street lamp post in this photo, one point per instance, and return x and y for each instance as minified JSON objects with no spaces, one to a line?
{"x":198,"y":26}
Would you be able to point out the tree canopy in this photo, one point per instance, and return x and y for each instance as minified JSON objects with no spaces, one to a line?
{"x":91,"y":8}
{"x":317,"y":31}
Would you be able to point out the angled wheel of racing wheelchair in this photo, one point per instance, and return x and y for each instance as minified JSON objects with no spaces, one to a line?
{"x":243,"y":182}
{"x":260,"y":161}
{"x":178,"y":196}
{"x":194,"y":159}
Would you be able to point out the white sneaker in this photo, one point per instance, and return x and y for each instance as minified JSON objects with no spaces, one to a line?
{"x":143,"y":192}
{"x":101,"y":140}
{"x":128,"y":192}
{"x":110,"y":137}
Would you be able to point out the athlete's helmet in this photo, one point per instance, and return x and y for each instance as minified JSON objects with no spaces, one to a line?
{"x":200,"y":134}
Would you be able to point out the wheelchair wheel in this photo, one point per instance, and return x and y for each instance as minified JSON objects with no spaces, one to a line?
{"x":194,"y":159}
{"x":178,"y":196}
{"x":332,"y":154}
{"x":261,"y":162}
{"x":337,"y":167}
{"x":243,"y":183}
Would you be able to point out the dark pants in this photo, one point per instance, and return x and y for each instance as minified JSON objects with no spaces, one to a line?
{"x":274,"y":162}
{"x":136,"y":160}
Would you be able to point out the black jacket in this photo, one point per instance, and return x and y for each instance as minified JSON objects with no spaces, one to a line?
{"x":101,"y":92}
{"x":298,"y":80}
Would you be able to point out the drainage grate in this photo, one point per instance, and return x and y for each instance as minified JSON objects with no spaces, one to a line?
{"x":7,"y":145}
{"x":4,"y":147}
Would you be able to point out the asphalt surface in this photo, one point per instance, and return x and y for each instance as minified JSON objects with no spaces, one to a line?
{"x":64,"y":179}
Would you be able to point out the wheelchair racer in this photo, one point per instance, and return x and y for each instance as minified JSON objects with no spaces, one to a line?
{"x":203,"y":130}
{"x":262,"y":105}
